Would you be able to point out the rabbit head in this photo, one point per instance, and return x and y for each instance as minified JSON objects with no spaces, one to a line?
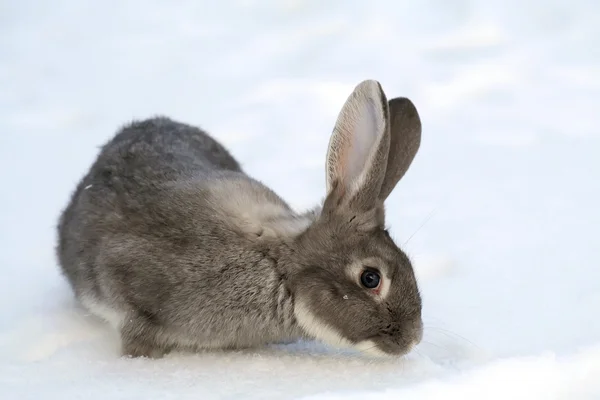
{"x":355,"y":287}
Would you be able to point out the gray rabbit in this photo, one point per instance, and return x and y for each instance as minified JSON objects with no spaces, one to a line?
{"x":174,"y":245}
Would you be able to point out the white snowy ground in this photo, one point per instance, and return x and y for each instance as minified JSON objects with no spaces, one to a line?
{"x":509,"y":261}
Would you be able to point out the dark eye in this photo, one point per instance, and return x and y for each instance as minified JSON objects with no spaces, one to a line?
{"x":370,"y":278}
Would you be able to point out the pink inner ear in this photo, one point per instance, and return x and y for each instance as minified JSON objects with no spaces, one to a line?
{"x":363,"y":138}
{"x":358,"y":136}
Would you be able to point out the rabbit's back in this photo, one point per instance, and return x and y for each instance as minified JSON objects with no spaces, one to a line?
{"x":163,"y":149}
{"x":124,"y":192}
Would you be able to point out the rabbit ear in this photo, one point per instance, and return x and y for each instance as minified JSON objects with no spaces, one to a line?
{"x":405,"y":139}
{"x":359,"y":146}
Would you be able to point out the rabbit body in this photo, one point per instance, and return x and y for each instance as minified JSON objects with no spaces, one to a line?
{"x":175,"y":246}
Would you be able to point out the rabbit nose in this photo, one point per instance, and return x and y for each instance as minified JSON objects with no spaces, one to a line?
{"x":417,"y":329}
{"x":414,"y":331}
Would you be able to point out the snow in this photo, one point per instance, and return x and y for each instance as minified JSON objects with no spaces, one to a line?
{"x":500,"y":205}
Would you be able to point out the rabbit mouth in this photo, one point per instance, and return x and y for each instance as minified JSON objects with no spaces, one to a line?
{"x":403,"y":340}
{"x":386,"y":346}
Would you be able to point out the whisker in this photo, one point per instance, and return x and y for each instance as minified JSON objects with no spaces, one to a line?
{"x":421,"y":226}
{"x":451,"y":334}
{"x":433,"y":344}
{"x":371,"y":348}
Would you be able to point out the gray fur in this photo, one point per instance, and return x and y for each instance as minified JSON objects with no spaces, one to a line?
{"x":169,"y":240}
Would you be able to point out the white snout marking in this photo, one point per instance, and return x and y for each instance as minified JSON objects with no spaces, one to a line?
{"x":318,"y":329}
{"x":325,"y":333}
{"x":370,"y":347}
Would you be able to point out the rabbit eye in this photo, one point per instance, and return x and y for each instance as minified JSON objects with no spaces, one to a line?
{"x":370,"y":278}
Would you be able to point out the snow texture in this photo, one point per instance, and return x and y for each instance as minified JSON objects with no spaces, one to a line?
{"x":500,"y":205}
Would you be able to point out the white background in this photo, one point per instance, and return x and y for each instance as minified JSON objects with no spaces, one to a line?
{"x":506,"y":181}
